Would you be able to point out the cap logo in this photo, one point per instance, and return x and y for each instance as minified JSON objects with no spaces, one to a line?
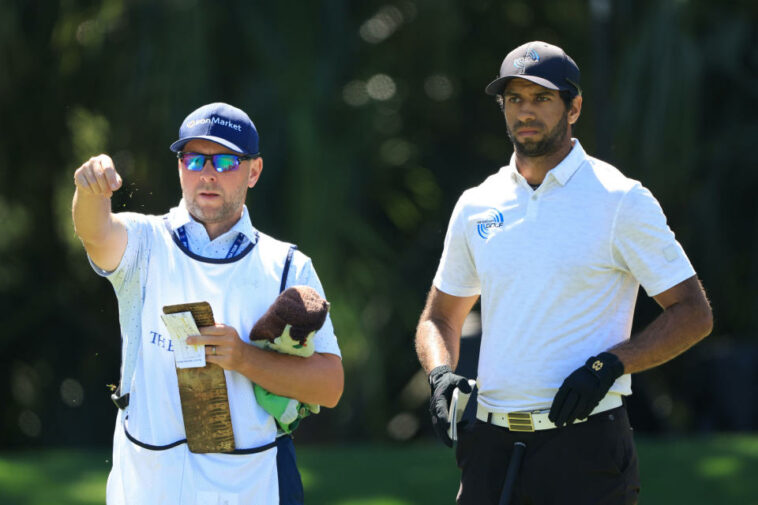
{"x":214,"y":120}
{"x":530,"y":57}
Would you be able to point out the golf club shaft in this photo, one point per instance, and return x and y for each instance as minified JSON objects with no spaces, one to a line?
{"x":512,"y":472}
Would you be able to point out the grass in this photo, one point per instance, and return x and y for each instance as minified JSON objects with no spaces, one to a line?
{"x":716,"y":470}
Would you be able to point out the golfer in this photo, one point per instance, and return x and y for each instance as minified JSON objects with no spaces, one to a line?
{"x":555,"y":245}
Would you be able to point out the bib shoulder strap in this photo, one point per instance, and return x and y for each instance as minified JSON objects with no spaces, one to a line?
{"x":286,"y":269}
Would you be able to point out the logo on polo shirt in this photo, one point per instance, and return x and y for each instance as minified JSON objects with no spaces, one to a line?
{"x":530,"y":57}
{"x":493,"y":221}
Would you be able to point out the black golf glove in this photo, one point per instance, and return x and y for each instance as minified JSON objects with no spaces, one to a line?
{"x":443,"y":382}
{"x":584,"y":388}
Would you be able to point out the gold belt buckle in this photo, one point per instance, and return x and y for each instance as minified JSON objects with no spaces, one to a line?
{"x":520,"y":421}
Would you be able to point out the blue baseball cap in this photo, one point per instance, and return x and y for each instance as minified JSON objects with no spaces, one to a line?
{"x":541,"y":63}
{"x":220,"y":123}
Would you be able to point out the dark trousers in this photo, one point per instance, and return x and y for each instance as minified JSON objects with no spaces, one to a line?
{"x":290,"y":485}
{"x":591,"y":463}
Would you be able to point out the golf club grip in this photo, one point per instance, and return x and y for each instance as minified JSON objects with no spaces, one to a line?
{"x":512,"y":472}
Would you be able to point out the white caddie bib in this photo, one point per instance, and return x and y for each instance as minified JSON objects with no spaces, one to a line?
{"x":239,"y":291}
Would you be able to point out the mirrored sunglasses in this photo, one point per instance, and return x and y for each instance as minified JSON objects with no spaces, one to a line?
{"x":221,"y":162}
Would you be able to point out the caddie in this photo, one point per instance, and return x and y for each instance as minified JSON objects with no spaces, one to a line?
{"x":204,"y":249}
{"x":555,"y":246}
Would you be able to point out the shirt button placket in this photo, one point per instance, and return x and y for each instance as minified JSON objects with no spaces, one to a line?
{"x":532,"y":207}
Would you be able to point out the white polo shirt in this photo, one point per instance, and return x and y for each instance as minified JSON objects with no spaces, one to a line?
{"x":558,"y":270}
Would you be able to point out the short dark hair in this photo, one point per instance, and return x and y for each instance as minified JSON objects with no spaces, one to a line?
{"x":566,"y":95}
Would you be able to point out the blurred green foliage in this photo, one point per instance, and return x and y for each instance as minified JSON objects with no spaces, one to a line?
{"x":372,"y":119}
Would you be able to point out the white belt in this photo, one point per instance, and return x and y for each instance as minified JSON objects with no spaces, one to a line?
{"x":536,"y":420}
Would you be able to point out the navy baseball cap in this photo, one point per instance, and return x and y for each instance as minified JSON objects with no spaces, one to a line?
{"x":220,"y":123}
{"x":541,"y":63}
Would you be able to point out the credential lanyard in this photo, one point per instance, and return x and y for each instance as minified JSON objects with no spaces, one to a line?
{"x":182,"y":235}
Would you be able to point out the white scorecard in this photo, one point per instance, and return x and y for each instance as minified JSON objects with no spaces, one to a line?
{"x":181,"y":325}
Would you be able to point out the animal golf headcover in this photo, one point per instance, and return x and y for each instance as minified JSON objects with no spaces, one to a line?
{"x":288,"y":327}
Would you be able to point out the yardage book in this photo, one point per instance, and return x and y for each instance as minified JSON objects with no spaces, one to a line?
{"x":202,"y":386}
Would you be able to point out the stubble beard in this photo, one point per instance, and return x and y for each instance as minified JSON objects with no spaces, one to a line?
{"x":229,"y":209}
{"x":550,"y":143}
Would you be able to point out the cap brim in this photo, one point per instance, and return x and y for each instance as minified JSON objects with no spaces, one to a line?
{"x":179,"y":144}
{"x":497,"y":86}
